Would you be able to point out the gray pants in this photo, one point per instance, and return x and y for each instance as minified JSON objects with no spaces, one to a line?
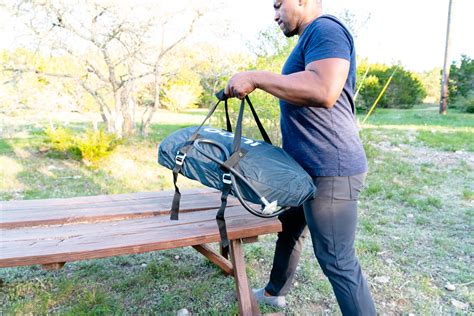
{"x":331,"y":218}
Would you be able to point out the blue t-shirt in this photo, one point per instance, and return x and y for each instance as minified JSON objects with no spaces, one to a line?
{"x":325,"y":142}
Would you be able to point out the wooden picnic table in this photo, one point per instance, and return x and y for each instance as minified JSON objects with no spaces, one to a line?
{"x":52,"y":232}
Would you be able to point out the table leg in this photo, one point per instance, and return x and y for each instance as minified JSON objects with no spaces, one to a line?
{"x":247,"y":302}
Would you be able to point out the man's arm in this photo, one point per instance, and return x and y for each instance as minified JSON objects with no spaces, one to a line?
{"x":319,"y":85}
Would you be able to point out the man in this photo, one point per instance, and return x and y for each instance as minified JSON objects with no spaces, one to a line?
{"x":318,"y":128}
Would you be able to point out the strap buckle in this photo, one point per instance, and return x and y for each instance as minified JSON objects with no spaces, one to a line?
{"x":226,"y":178}
{"x":180,"y":158}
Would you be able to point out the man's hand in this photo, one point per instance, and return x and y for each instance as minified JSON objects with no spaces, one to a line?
{"x":240,"y":85}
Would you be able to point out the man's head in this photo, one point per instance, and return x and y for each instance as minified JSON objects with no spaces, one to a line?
{"x":293,"y":15}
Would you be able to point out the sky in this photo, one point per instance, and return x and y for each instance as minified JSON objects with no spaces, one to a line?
{"x":412,"y":32}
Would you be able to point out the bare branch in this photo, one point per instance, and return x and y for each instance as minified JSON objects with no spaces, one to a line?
{"x":183,"y":37}
{"x":103,"y":105}
{"x":61,"y":23}
{"x":111,"y":68}
{"x":95,"y":71}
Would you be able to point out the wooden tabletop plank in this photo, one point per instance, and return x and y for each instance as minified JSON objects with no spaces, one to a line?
{"x":101,"y":229}
{"x":89,"y":201}
{"x":111,"y":210}
{"x":149,"y":235}
{"x":85,"y":200}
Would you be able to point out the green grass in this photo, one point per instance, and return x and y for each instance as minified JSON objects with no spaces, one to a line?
{"x":421,"y":115}
{"x":415,"y":226}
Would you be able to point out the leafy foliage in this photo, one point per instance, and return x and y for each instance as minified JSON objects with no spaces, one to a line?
{"x":182,"y":91}
{"x":91,"y":146}
{"x":461,"y":84}
{"x":63,"y":141}
{"x":404,"y":91}
{"x":431,"y":80}
{"x":28,"y":90}
{"x":96,"y":145}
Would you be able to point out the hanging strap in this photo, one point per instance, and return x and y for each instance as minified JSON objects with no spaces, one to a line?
{"x":238,"y":129}
{"x":220,"y":213}
{"x":209,"y":114}
{"x":259,"y":124}
{"x":238,"y":126}
{"x":179,"y":161}
{"x":176,"y":198}
{"x":222,"y":97}
{"x":227,"y":118}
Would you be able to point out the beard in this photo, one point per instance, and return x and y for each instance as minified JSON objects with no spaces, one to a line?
{"x":290,"y":33}
{"x":287,"y":32}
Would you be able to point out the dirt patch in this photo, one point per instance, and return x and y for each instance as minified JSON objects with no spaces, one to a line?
{"x":425,"y":155}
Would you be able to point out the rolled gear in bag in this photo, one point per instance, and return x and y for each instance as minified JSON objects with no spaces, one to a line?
{"x":269,"y":169}
{"x":251,"y":170}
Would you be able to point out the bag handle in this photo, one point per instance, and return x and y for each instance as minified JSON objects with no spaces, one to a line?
{"x":209,"y":114}
{"x":222,"y":97}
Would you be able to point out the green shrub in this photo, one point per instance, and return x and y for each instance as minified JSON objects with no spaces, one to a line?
{"x":461,"y":85}
{"x":95,"y":145}
{"x":60,"y":139}
{"x":63,"y":142}
{"x":405,"y":89}
{"x":461,"y":81}
{"x":90,"y":146}
{"x":464,"y":103}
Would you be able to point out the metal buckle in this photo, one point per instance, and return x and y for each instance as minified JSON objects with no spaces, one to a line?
{"x":226,"y":178}
{"x":180,"y":158}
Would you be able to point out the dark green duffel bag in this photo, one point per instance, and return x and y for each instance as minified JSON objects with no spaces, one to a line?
{"x":251,"y":170}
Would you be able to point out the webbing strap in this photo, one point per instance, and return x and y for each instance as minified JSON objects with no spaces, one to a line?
{"x":220,"y":216}
{"x":259,"y":124}
{"x":176,"y":197}
{"x":233,"y":159}
{"x":238,"y":128}
{"x":221,"y":97}
{"x":227,"y":118}
{"x":209,"y":114}
{"x":176,"y":170}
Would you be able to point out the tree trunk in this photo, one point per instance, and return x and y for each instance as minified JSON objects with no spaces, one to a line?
{"x":128,"y":110}
{"x":116,"y":122}
{"x":148,"y":115}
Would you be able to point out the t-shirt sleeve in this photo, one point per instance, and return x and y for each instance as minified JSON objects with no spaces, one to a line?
{"x":327,"y":39}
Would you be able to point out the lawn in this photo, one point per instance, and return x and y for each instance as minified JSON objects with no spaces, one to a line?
{"x":415,"y":238}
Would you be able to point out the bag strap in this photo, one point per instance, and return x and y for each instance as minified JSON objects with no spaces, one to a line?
{"x":227,"y":187}
{"x":179,"y":161}
{"x":259,"y":124}
{"x":227,"y":118}
{"x":222,"y":97}
{"x":238,"y":127}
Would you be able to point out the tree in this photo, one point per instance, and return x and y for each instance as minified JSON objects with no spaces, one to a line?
{"x":404,"y":91}
{"x":354,"y":22}
{"x":33,"y":91}
{"x":461,"y":84}
{"x":114,"y":47}
{"x":431,"y":80}
{"x":461,"y":80}
{"x":214,"y":67}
